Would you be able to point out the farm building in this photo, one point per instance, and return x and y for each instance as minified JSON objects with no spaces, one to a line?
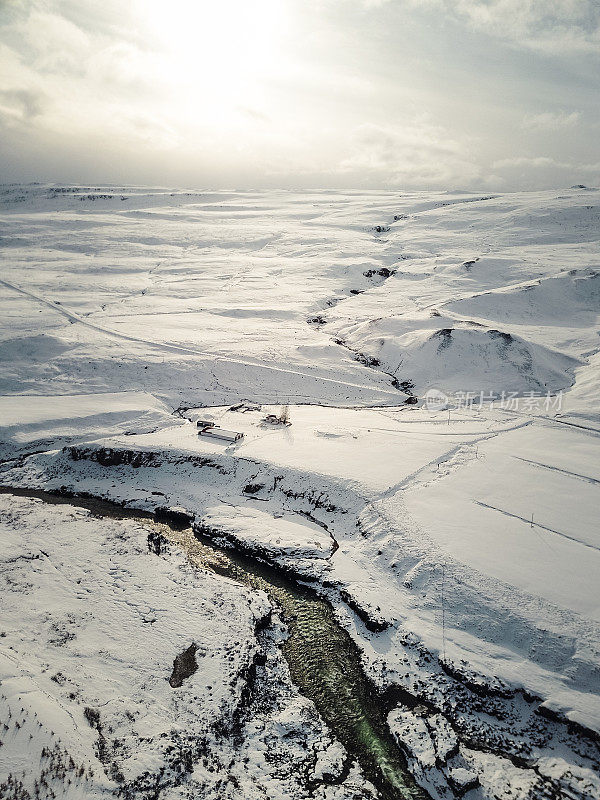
{"x":214,"y":432}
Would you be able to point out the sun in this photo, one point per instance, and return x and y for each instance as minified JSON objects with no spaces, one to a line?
{"x":215,"y":52}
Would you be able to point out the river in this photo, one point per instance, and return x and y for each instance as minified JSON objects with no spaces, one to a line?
{"x":323,"y":659}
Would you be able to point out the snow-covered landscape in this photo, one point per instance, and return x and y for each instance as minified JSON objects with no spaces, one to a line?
{"x":435,"y":481}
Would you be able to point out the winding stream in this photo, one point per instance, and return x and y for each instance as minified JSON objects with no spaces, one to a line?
{"x":324,"y":660}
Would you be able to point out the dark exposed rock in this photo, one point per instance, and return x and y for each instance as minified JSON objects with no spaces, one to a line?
{"x":476,"y":684}
{"x":174,"y":515}
{"x":113,"y":457}
{"x":445,"y":334}
{"x":157,"y":543}
{"x":227,"y":539}
{"x":92,"y":715}
{"x":575,"y":728}
{"x":373,"y":622}
{"x":506,"y":337}
{"x":316,"y":499}
{"x":384,"y":272}
{"x":184,"y":666}
{"x":368,"y":361}
{"x":253,"y":488}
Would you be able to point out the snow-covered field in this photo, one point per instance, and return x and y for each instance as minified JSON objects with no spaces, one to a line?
{"x":458,"y":540}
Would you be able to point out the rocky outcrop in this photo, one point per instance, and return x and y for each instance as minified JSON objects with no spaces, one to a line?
{"x":174,"y":515}
{"x":184,"y":666}
{"x":372,"y":617}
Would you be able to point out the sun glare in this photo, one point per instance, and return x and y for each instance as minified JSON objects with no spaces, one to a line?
{"x":216,"y":51}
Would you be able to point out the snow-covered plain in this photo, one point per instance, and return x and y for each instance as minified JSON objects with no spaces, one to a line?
{"x":466,"y":533}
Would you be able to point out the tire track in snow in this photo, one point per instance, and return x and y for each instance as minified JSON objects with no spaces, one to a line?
{"x":554,"y":420}
{"x":73,"y":317}
{"x":429,"y":473}
{"x":420,"y":431}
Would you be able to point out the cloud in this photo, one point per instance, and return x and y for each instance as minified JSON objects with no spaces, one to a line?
{"x":21,"y":104}
{"x":552,"y":120}
{"x":540,"y":172}
{"x":53,"y":44}
{"x":254,"y":114}
{"x":415,"y":154}
{"x":550,"y":26}
{"x":529,"y":161}
{"x":124,"y":81}
{"x":60,"y":76}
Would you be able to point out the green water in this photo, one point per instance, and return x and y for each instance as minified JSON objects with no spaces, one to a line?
{"x":325,"y":664}
{"x":323,"y":659}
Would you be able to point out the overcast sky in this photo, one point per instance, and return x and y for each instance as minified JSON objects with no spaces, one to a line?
{"x":451,"y":94}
